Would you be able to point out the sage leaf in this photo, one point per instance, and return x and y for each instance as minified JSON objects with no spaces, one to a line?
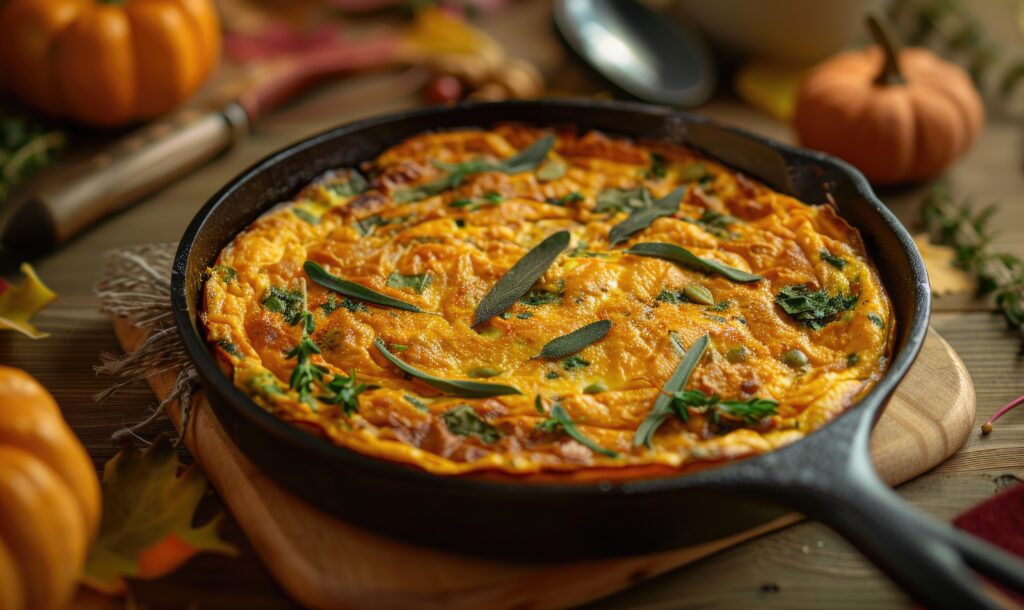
{"x":526,"y":160}
{"x":464,"y":421}
{"x":576,"y":340}
{"x":319,"y":275}
{"x":530,"y":157}
{"x":814,"y":309}
{"x":518,"y":280}
{"x":663,"y":405}
{"x":642,"y":218}
{"x":466,"y":389}
{"x":682,"y":256}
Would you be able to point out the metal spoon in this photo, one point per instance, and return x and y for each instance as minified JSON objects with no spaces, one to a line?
{"x":638,"y":50}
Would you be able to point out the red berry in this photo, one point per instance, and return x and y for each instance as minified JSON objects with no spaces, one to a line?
{"x":445,"y":89}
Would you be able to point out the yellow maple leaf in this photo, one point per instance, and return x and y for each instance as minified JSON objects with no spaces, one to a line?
{"x":943,"y":275}
{"x":147,"y":530}
{"x":19,"y":303}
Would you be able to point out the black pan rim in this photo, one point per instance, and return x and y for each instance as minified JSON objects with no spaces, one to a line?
{"x":196,"y":347}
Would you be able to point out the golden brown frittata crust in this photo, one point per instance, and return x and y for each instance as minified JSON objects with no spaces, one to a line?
{"x":412,"y":232}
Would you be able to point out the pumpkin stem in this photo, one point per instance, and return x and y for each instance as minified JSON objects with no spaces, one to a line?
{"x":890,"y":74}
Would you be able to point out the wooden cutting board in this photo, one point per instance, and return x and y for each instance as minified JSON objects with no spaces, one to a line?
{"x":325,"y":563}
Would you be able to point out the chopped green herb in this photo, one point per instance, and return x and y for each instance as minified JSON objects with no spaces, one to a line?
{"x":832,"y":259}
{"x":226,"y":274}
{"x":551,"y":375}
{"x":228,"y":347}
{"x":814,"y":309}
{"x":852,"y":359}
{"x":353,"y":306}
{"x":573,"y":197}
{"x":344,"y":391}
{"x":595,"y":388}
{"x":575,"y":362}
{"x":876,"y":320}
{"x":524,"y":316}
{"x":667,"y":296}
{"x":306,"y":216}
{"x":560,"y":420}
{"x":415,"y":282}
{"x":288,"y":303}
{"x":397,"y":347}
{"x":721,"y":306}
{"x":331,"y":305}
{"x":464,"y":421}
{"x":540,"y":297}
{"x":659,"y":166}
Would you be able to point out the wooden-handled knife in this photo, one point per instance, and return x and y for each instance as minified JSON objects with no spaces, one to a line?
{"x":54,"y":210}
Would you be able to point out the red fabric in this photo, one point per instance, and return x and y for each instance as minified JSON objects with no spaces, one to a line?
{"x":1000,"y":521}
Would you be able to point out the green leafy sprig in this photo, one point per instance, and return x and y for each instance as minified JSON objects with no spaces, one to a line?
{"x":560,"y":420}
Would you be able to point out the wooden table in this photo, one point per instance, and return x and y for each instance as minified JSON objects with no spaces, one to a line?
{"x":805,"y":566}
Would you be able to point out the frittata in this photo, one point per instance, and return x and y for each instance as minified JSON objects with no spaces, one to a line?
{"x":522,"y":300}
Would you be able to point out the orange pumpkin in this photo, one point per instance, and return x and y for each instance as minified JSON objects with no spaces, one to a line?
{"x":107,"y":62}
{"x":898,"y":116}
{"x":49,"y":498}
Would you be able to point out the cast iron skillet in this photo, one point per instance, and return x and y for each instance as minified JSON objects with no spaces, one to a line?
{"x":828,"y":476}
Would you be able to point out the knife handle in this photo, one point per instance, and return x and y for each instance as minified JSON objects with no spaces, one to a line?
{"x":133,"y":167}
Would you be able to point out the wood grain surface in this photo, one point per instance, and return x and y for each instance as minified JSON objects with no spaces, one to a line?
{"x":325,"y":563}
{"x":804,"y":566}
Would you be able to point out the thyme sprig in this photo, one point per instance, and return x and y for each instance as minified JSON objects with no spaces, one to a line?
{"x":966,"y":230}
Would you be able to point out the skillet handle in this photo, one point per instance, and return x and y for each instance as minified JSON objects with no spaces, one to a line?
{"x":931,"y":561}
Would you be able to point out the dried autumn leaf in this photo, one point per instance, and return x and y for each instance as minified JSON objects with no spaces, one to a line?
{"x":147,"y":519}
{"x":19,"y":303}
{"x":943,"y":275}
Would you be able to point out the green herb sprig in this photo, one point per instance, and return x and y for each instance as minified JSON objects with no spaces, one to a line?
{"x":749,"y":412}
{"x":560,"y":420}
{"x":814,"y":309}
{"x":663,"y":405}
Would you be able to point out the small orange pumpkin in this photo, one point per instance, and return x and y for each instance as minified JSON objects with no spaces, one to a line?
{"x":49,"y":498}
{"x":107,"y":62}
{"x":898,"y":116}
